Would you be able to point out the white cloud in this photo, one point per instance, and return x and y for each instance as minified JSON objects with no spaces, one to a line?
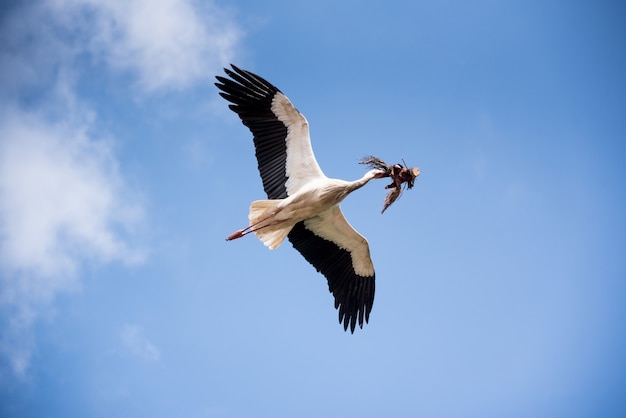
{"x":62,"y":202}
{"x":167,"y":44}
{"x":136,"y":342}
{"x":60,"y":196}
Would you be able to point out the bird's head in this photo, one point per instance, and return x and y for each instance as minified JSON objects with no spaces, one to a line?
{"x":379,"y":174}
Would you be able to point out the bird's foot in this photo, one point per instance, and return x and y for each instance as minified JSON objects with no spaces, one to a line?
{"x":237,"y":234}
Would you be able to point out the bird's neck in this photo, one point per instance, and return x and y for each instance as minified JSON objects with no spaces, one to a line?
{"x":357,"y":184}
{"x":337,"y":189}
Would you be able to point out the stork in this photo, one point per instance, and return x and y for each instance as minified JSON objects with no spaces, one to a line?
{"x":302,"y":204}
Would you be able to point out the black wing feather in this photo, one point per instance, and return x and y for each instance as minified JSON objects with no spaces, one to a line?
{"x":354,"y":294}
{"x":252,"y":97}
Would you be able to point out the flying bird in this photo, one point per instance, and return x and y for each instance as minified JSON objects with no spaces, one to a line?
{"x":302,"y":203}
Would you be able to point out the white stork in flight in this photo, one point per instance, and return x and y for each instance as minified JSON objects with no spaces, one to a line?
{"x":303,"y":203}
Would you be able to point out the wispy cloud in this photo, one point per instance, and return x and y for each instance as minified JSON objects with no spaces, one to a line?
{"x":138,"y":344}
{"x":64,"y":199}
{"x":61,"y":195}
{"x":63,"y":202}
{"x":168,"y":44}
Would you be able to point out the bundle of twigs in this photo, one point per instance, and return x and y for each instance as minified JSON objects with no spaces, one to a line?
{"x":399,"y":173}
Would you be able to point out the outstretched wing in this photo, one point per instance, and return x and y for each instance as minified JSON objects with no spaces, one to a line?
{"x":340,"y":253}
{"x":281,"y":133}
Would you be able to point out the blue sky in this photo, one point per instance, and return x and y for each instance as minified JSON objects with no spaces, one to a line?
{"x":501,"y":277}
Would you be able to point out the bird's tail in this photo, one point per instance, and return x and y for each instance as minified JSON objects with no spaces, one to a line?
{"x":270,"y":230}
